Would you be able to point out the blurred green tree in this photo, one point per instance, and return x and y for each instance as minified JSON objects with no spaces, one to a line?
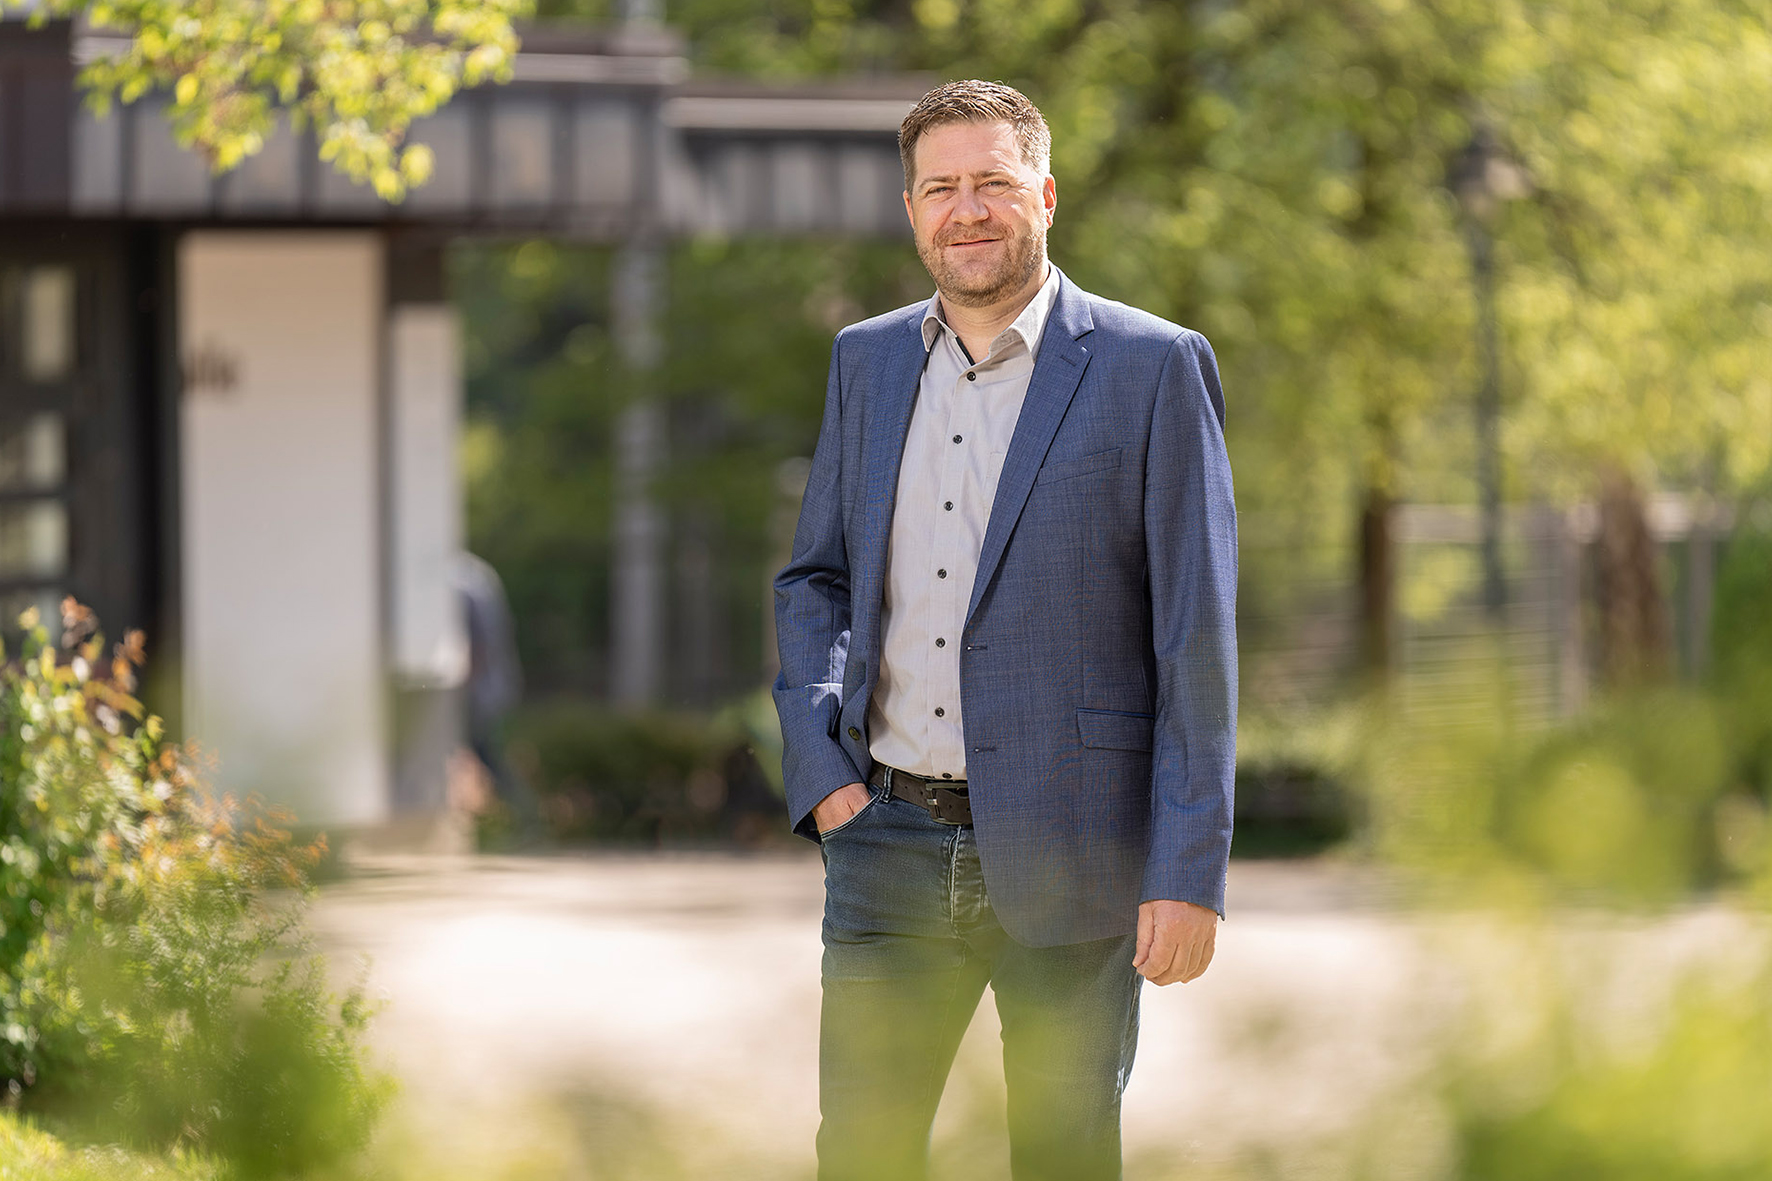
{"x":1276,"y":173}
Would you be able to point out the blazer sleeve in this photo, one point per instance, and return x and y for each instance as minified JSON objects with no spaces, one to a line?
{"x":1190,"y":521}
{"x":812,"y":614}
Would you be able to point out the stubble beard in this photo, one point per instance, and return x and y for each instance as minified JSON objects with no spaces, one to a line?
{"x":1021,"y":262}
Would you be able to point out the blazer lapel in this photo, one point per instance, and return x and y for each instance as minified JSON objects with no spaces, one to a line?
{"x":891,"y":396}
{"x":1057,"y":372}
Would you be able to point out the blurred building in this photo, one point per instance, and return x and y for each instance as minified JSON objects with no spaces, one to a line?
{"x":229,"y":405}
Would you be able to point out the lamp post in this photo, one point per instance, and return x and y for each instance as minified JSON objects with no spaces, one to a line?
{"x":1482,"y":177}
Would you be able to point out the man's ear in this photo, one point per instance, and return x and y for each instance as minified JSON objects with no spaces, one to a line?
{"x":1049,"y":195}
{"x":911,"y":217}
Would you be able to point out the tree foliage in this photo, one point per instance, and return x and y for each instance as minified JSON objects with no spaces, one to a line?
{"x":1276,"y":174}
{"x":359,"y":70}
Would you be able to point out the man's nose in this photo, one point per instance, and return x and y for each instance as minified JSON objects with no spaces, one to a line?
{"x":970,"y":207}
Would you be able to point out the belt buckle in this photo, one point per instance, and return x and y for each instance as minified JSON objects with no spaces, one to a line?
{"x":945,"y":810}
{"x":938,"y":809}
{"x":933,"y":804}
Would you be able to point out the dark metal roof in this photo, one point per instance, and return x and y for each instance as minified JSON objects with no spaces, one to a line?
{"x":600,"y":134}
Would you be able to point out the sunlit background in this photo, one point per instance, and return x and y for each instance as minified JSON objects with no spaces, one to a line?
{"x":1490,"y":286}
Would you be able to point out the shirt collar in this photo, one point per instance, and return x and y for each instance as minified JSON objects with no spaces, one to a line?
{"x":1028,"y":327}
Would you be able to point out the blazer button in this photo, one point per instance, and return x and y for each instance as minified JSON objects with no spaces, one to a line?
{"x":855,"y":734}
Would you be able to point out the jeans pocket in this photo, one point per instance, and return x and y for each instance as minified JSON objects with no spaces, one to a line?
{"x":876,"y":794}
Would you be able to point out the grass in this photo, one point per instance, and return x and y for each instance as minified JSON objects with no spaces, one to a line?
{"x":28,"y":1153}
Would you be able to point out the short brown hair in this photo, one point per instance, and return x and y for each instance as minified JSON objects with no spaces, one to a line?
{"x":973,"y":101}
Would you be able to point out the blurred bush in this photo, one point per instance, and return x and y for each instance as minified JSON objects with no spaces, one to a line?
{"x":1294,"y":796}
{"x":661,"y":776}
{"x":1611,"y":978}
{"x":1289,"y":810}
{"x":648,"y":777}
{"x":1635,"y":801}
{"x":156,"y":983}
{"x":1581,"y":1051}
{"x":1693,"y":1104}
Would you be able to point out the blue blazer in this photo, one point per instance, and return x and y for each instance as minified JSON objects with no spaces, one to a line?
{"x":1098,"y":667}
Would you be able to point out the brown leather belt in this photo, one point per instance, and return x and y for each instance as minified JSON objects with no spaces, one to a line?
{"x":944,"y":799}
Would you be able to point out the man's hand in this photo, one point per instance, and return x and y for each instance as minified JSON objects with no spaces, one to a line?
{"x":1174,"y":940}
{"x":839,"y":806}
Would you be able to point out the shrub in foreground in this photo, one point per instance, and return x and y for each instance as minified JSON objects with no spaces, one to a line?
{"x":156,"y":984}
{"x":28,"y":1153}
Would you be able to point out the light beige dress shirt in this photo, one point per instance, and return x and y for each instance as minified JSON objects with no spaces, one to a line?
{"x":953,"y":455}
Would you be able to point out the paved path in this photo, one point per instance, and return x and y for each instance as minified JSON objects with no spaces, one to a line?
{"x":654,"y":1016}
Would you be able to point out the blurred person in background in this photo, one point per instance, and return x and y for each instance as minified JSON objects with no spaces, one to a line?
{"x":1008,"y":662}
{"x":494,"y":687}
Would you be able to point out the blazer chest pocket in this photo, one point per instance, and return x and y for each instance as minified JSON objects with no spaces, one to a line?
{"x":1105,"y":729}
{"x":1070,"y":469}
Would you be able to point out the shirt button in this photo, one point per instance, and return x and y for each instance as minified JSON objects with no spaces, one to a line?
{"x":948,"y":505}
{"x":971,"y":376}
{"x":940,"y":712}
{"x":854,"y":733}
{"x":956,"y":438}
{"x":940,"y":643}
{"x":941,"y":573}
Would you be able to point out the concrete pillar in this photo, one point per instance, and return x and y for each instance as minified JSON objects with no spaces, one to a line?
{"x":427,"y":642}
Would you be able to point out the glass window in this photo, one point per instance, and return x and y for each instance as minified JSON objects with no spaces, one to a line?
{"x":33,"y":453}
{"x":33,"y":539}
{"x":46,"y":345}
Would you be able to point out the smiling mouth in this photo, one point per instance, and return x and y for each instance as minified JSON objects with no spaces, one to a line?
{"x":975,"y":242}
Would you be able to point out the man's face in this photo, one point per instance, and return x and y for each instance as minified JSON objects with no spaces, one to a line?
{"x":980,"y":212}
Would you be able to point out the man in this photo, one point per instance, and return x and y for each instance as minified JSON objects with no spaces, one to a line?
{"x":1008,"y":677}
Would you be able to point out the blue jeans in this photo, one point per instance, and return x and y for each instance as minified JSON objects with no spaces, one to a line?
{"x":910,"y":943}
